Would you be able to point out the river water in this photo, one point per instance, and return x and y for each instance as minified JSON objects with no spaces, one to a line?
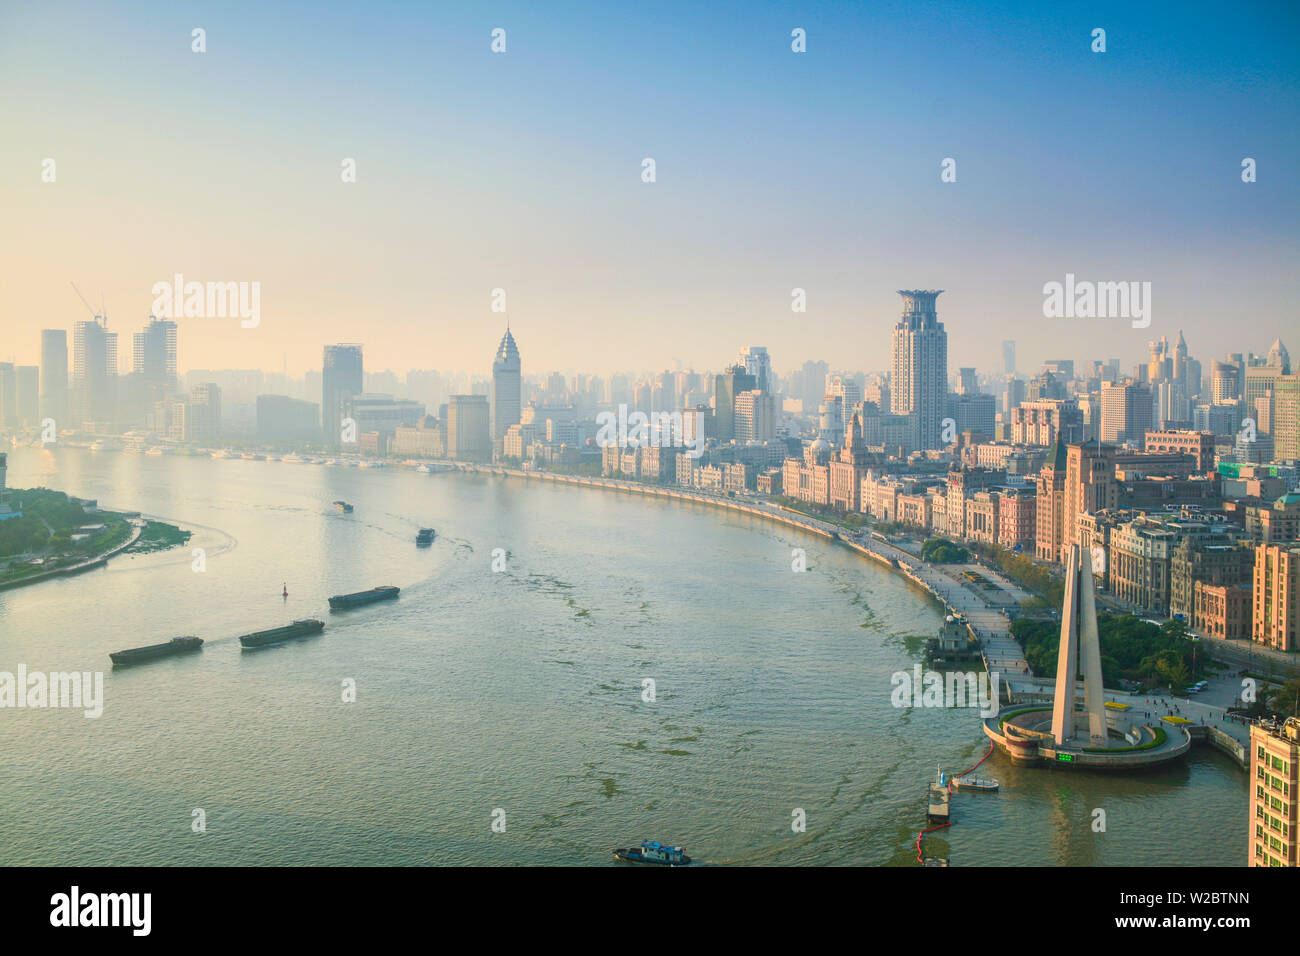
{"x":514,"y":695}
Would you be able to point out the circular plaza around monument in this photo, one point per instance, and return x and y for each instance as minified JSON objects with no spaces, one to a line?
{"x":1025,"y":735}
{"x":1094,"y":734}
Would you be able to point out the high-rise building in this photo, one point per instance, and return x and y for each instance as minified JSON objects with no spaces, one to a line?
{"x":8,"y":395}
{"x":205,"y":410}
{"x":469,"y":434}
{"x":1090,"y":485}
{"x":1008,"y":357}
{"x":94,"y":373}
{"x":342,"y":377}
{"x":755,"y":416}
{"x":971,"y":412}
{"x":758,"y":364}
{"x":507,"y":383}
{"x":54,"y":375}
{"x":849,"y":392}
{"x":1286,"y":417}
{"x":726,"y":386}
{"x":1049,"y":531}
{"x":919,"y":382}
{"x":1279,"y":357}
{"x":1126,"y":413}
{"x":154,"y":354}
{"x":1013,"y":396}
{"x":1042,"y":422}
{"x":1275,"y":776}
{"x":1224,"y":384}
{"x":1277,"y":596}
{"x":29,"y":385}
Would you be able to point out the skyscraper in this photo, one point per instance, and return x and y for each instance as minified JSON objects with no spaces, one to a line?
{"x":29,"y":378}
{"x":759,"y":364}
{"x":342,"y":377}
{"x":506,"y":387}
{"x":1008,"y":357}
{"x":94,"y":372}
{"x":8,"y":395}
{"x":726,"y":387}
{"x":1126,"y":413}
{"x":468,"y":434}
{"x":154,"y":354}
{"x":755,"y":418}
{"x":1286,"y":417}
{"x":54,"y":375}
{"x":919,"y":384}
{"x":205,"y":410}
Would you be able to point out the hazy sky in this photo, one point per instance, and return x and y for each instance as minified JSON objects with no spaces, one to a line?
{"x":775,"y":170}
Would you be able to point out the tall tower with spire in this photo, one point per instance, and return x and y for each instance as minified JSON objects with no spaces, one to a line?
{"x":506,"y":386}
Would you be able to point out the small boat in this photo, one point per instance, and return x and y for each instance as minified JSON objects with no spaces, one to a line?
{"x":425,"y":536}
{"x":358,"y":598}
{"x":277,"y":634}
{"x":137,"y":655}
{"x":344,"y":507}
{"x":974,"y":783}
{"x":652,"y":851}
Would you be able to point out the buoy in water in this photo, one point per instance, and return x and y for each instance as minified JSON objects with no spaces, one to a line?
{"x":286,"y":589}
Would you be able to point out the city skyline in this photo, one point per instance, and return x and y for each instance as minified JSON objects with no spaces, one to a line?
{"x":803,"y":183}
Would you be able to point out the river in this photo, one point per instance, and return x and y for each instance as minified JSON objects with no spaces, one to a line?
{"x":514,"y":696}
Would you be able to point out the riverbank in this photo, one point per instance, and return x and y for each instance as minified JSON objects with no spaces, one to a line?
{"x":138,"y":526}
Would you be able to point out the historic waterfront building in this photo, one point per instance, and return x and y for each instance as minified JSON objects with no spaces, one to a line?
{"x":849,"y":467}
{"x":1277,"y":596}
{"x":1049,"y":518}
{"x":1090,"y":484}
{"x":1141,"y":552}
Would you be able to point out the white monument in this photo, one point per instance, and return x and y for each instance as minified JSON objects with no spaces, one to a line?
{"x":1079,"y":640}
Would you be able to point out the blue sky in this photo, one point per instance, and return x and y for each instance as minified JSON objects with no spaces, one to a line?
{"x":775,"y":170}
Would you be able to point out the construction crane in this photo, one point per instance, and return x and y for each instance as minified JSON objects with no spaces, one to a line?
{"x":96,"y":316}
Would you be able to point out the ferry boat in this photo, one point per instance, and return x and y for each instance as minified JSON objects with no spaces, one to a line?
{"x":974,"y":783}
{"x":940,"y":798}
{"x":425,"y":536}
{"x":277,"y":634}
{"x":358,"y":598}
{"x":344,"y":507}
{"x":138,"y":655}
{"x":652,"y":851}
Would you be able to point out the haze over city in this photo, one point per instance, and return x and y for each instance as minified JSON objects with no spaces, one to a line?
{"x":605,"y":435}
{"x":522,"y":172}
